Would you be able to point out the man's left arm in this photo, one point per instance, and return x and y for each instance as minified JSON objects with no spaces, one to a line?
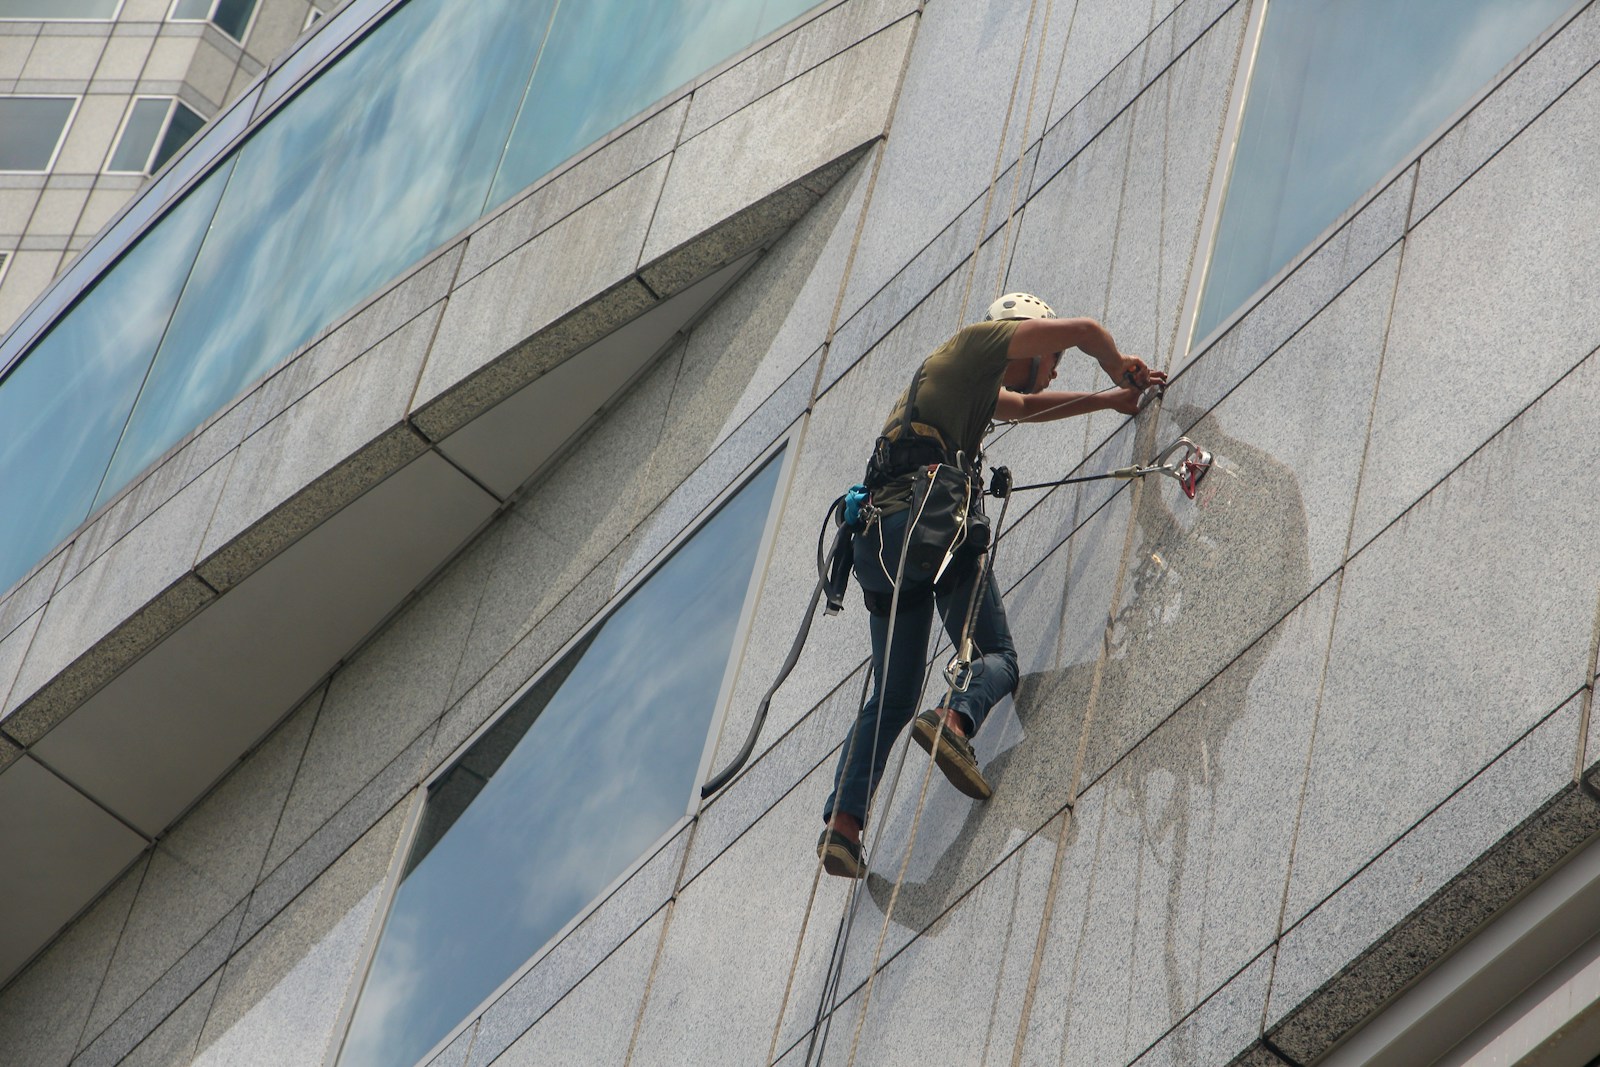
{"x":1049,"y":406}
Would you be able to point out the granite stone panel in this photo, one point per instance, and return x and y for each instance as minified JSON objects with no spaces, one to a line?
{"x":1207,"y":577}
{"x":172,"y":1044}
{"x":560,"y":194}
{"x":762,"y":148}
{"x":291,"y":463}
{"x":795,"y":53}
{"x":25,"y":598}
{"x":726,"y":959}
{"x":455,"y":1053}
{"x":918,"y":1011}
{"x":1224,"y":1029}
{"x":532,"y":309}
{"x":635,"y":905}
{"x":119,"y":607}
{"x":282,"y":991}
{"x":1190,"y":837}
{"x":1415,"y":702}
{"x":13,"y":647}
{"x":561,"y":529}
{"x":1176,"y":131}
{"x":167,"y":995}
{"x":382,"y":700}
{"x":594,"y":1022}
{"x":202,"y":450}
{"x":417,"y":295}
{"x":1512,"y":105}
{"x":43,"y":1010}
{"x":1495,"y":269}
{"x":958,"y":77}
{"x":203,"y":869}
{"x":1475,"y":853}
{"x":768,"y":778}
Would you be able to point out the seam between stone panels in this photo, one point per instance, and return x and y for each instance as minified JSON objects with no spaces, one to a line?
{"x":321,"y":696}
{"x":667,"y":910}
{"x":1520,"y":130}
{"x":433,"y":339}
{"x":661,"y":192}
{"x":1485,"y":443}
{"x":1192,"y":1012}
{"x":1417,"y":824}
{"x":83,"y":1031}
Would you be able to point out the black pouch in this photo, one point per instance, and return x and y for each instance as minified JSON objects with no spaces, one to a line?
{"x":941,"y":510}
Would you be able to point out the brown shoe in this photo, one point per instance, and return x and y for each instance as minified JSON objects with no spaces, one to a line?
{"x":840,"y":855}
{"x":955,"y":758}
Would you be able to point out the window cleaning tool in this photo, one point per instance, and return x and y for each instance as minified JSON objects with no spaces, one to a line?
{"x":1188,"y":470}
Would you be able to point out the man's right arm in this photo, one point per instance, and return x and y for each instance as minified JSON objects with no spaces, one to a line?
{"x":1044,"y":337}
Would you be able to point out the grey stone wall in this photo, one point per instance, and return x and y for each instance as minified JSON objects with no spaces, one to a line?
{"x":1271,"y":756}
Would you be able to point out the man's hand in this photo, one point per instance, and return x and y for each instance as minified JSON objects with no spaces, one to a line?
{"x":1125,"y":400}
{"x":1131,"y":370}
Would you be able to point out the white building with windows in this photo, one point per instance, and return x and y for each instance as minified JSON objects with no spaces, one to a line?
{"x":96,"y":95}
{"x":407,"y":499}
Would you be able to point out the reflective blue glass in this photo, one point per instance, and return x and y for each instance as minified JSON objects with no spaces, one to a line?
{"x":139,"y":134}
{"x":582,"y":774}
{"x":375,"y":163}
{"x":604,"y":61}
{"x":1343,"y":91}
{"x":63,"y":408}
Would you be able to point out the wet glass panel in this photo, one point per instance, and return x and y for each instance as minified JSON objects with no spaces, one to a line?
{"x":1342,"y":92}
{"x":387,"y":153}
{"x":582,"y":774}
{"x":139,"y":135}
{"x":63,"y":407}
{"x":605,"y":61}
{"x":58,"y":9}
{"x":185,"y":124}
{"x":30,"y":129}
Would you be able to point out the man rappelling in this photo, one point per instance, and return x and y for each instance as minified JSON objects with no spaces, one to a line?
{"x":921,"y":536}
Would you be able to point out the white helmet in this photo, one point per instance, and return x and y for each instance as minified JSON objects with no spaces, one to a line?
{"x":1019,"y":306}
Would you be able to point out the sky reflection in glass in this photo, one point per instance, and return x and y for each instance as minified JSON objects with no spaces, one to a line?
{"x":580,"y":776}
{"x":63,"y":409}
{"x":394,"y":147}
{"x":374,"y":164}
{"x":1343,"y":91}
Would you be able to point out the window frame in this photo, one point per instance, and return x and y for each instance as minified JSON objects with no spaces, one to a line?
{"x":314,"y":15}
{"x":116,"y":13}
{"x":210,"y":19}
{"x":161,"y":135}
{"x":1211,"y":221}
{"x":66,"y":127}
{"x":787,"y":443}
{"x":6,"y":257}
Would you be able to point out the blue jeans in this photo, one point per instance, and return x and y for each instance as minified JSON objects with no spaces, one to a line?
{"x":893,"y":703}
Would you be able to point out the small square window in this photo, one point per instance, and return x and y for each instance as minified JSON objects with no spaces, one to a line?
{"x":32,"y":129}
{"x":156,"y":127}
{"x":232,"y":17}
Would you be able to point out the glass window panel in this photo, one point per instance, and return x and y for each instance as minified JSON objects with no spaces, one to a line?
{"x":30,"y":129}
{"x":139,"y":134}
{"x":778,"y":12}
{"x":192,"y":9}
{"x":1343,"y":91}
{"x":233,"y":17}
{"x":63,"y":407}
{"x":592,"y":77}
{"x":387,"y":153}
{"x":58,"y":9}
{"x":583,"y":773}
{"x":185,"y":124}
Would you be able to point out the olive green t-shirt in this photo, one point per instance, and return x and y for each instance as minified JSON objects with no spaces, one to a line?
{"x":956,"y":394}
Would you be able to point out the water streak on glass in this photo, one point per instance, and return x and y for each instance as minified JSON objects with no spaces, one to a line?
{"x":1342,"y":92}
{"x":64,"y":407}
{"x":588,"y":769}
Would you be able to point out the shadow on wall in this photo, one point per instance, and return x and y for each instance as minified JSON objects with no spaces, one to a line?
{"x":1202,"y":581}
